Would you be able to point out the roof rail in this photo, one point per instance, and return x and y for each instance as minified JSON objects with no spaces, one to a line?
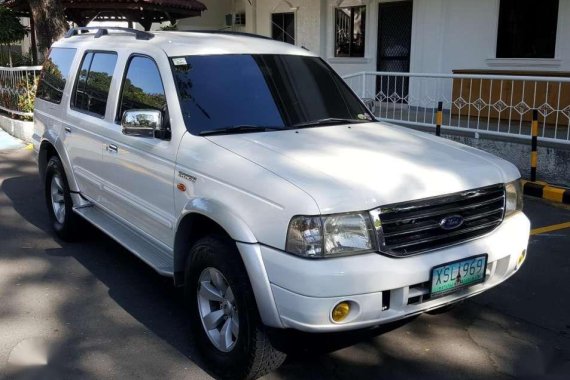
{"x":104,"y":30}
{"x":230,"y":32}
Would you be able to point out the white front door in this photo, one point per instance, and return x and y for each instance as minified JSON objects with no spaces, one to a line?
{"x":139,"y":171}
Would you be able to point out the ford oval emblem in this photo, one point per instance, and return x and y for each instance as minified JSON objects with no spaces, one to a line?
{"x":451,"y":222}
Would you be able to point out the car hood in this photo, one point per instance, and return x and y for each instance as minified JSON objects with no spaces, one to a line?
{"x":362,"y":166}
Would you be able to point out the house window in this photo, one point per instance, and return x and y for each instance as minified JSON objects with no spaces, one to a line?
{"x":527,"y":29}
{"x":283,"y":27}
{"x":350,"y":27}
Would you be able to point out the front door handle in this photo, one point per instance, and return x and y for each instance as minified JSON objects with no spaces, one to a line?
{"x":112,"y":148}
{"x":67,"y":130}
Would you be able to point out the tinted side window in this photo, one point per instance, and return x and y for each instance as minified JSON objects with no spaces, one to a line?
{"x":55,"y":74}
{"x":142,"y":87}
{"x":93,"y":82}
{"x":79,"y":99}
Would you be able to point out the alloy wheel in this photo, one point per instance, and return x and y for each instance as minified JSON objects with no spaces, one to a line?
{"x":218,"y":309}
{"x":57,"y":198}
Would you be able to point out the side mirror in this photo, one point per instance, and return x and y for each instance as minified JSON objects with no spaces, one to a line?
{"x":144,"y":123}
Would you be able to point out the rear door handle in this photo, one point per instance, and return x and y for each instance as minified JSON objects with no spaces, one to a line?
{"x":67,"y":130}
{"x":112,"y":148}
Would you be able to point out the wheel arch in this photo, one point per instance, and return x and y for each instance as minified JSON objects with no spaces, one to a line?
{"x":196,"y":223}
{"x":202,"y":217}
{"x":49,"y":149}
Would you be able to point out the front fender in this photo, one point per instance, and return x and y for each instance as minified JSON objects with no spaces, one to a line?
{"x":249,"y":252}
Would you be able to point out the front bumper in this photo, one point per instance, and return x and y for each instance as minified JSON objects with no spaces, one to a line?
{"x":382,"y":289}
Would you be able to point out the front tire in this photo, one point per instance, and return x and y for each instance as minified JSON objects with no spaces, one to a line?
{"x":58,"y":200}
{"x":223,"y":311}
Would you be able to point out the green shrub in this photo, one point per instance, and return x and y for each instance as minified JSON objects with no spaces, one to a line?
{"x":27,"y":97}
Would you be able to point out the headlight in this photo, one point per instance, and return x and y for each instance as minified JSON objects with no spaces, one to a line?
{"x":514,"y":193}
{"x":330,"y":236}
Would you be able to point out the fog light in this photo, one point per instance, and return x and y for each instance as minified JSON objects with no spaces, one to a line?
{"x":521,"y":258}
{"x":340,"y":311}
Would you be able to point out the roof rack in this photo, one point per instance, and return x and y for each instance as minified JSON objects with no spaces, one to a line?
{"x":104,"y":30}
{"x":231,"y":32}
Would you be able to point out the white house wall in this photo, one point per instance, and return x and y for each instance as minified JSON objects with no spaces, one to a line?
{"x":462,"y":34}
{"x":308,"y":20}
{"x":446,"y":34}
{"x":212,"y":19}
{"x":449,"y":35}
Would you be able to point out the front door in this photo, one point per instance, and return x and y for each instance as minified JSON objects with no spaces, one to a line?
{"x":139,"y":172}
{"x":394,"y":44}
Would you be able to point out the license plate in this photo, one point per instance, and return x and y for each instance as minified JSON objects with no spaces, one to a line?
{"x":450,"y":277}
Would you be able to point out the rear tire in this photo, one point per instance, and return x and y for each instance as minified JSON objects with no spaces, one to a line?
{"x":217,"y":283}
{"x":58,"y":201}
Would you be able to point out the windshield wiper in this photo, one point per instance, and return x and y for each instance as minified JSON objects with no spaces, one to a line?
{"x":327,"y":121}
{"x":239,"y":129}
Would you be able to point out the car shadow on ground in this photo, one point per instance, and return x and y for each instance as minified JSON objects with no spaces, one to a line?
{"x":145,"y":295}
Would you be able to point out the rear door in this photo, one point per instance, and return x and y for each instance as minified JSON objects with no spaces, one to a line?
{"x":139,"y":171}
{"x":87,"y":119}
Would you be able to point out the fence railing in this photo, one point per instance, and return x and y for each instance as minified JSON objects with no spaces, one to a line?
{"x":488,"y":104}
{"x":18,"y":88}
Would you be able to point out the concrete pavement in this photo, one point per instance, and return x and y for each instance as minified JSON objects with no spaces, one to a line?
{"x":91,"y":310}
{"x":8,"y":142}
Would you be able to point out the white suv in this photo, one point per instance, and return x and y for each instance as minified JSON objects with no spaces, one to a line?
{"x":248,"y":171}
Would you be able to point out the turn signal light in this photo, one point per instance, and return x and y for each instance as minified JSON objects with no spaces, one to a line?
{"x":340,"y":311}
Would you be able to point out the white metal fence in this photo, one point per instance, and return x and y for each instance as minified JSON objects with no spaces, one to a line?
{"x":17,"y":89}
{"x":487,"y":104}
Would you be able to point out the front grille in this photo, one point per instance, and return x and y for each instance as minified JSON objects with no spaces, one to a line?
{"x":413,"y":227}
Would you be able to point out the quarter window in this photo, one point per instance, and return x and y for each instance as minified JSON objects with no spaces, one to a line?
{"x":527,"y":29}
{"x":350,"y":31}
{"x":55,"y":74}
{"x":142,"y":87}
{"x":93,"y":82}
{"x":283,"y":27}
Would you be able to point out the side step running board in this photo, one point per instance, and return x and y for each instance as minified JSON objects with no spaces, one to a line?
{"x":149,"y":252}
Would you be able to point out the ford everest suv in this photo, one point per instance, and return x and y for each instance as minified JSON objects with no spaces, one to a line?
{"x":248,"y":171}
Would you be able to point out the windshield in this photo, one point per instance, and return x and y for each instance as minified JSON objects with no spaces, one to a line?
{"x":243,"y":92}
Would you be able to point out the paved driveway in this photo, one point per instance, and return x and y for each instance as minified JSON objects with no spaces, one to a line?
{"x":97,"y":312}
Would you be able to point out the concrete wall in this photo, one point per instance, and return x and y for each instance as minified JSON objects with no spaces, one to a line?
{"x":553,"y":163}
{"x":17,"y":128}
{"x":553,"y":160}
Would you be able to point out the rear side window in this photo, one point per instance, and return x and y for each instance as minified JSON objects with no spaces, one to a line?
{"x":142,"y":87}
{"x":93,"y":82}
{"x":55,"y":74}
